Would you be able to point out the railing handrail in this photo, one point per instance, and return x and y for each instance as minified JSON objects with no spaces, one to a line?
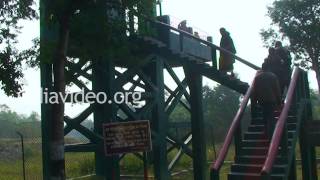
{"x":279,"y":128}
{"x":234,"y":125}
{"x":210,"y":44}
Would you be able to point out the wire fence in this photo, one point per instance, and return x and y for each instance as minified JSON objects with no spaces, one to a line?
{"x":77,"y":164}
{"x":11,"y":159}
{"x":14,"y":167}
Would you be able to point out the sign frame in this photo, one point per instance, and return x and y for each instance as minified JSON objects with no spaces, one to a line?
{"x":130,"y":127}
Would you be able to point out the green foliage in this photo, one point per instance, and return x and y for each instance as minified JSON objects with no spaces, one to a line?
{"x":11,"y":122}
{"x":92,"y":36}
{"x":98,"y":30}
{"x":11,"y":11}
{"x":315,"y":101}
{"x":220,"y":105}
{"x":180,"y":114}
{"x":79,"y":164}
{"x":131,"y":164}
{"x":31,"y":56}
{"x":95,"y":34}
{"x":299,"y":22}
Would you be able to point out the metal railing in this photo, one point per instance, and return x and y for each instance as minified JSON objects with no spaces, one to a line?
{"x":279,"y":138}
{"x":191,"y":36}
{"x":235,"y":126}
{"x":174,"y":22}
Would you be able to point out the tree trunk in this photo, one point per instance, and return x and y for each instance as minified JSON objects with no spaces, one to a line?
{"x":57,"y":133}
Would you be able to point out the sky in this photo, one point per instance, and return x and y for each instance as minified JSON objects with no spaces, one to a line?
{"x":243,"y":19}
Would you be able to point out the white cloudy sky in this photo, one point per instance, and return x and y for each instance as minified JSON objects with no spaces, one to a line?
{"x":244,"y":19}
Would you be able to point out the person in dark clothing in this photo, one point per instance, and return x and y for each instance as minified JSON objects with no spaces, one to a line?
{"x":226,"y":61}
{"x":285,"y":56}
{"x":266,"y":93}
{"x":274,"y":64}
{"x":183,"y":26}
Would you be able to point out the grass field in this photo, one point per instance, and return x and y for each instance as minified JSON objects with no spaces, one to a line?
{"x":82,"y":164}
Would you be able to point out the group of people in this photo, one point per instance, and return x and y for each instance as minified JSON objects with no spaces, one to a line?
{"x":279,"y":63}
{"x":271,"y":83}
{"x":183,"y":26}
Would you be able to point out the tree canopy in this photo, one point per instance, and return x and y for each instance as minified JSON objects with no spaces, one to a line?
{"x":84,"y":15}
{"x":220,"y":105}
{"x":10,"y":122}
{"x":11,"y":12}
{"x":298,"y":22}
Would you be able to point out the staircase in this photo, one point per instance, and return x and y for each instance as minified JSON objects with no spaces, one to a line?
{"x":257,"y":157}
{"x":254,"y":148}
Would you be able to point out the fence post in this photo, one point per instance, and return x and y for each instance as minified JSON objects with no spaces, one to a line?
{"x":22,"y":151}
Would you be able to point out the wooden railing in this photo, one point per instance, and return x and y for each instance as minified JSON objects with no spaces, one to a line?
{"x":280,"y":128}
{"x":189,"y":35}
{"x":236,"y":125}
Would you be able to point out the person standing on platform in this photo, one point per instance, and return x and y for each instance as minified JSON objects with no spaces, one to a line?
{"x":266,"y":93}
{"x":226,"y":61}
{"x":273,"y":63}
{"x":183,"y":26}
{"x":285,"y":56}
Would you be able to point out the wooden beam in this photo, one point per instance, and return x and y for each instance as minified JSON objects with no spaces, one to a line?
{"x":194,"y":80}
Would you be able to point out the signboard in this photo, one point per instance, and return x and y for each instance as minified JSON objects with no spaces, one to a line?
{"x":126,"y":137}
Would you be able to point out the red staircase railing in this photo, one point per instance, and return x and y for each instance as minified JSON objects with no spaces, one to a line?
{"x":215,"y":168}
{"x":280,"y":126}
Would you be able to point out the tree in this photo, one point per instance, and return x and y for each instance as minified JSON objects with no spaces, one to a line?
{"x":298,"y":22}
{"x":11,"y":11}
{"x":86,"y":30}
{"x":315,"y":102}
{"x":10,"y":122}
{"x":220,"y":107}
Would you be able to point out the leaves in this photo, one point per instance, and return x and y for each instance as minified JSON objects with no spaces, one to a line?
{"x":10,"y":72}
{"x":10,"y":122}
{"x":92,"y":36}
{"x":11,"y":11}
{"x":299,"y":21}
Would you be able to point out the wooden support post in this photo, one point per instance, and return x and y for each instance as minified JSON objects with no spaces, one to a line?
{"x":213,"y":54}
{"x":145,"y":166}
{"x":308,"y":154}
{"x":103,"y":74}
{"x":159,"y":121}
{"x":46,"y":83}
{"x":162,"y":31}
{"x":46,"y":86}
{"x":293,"y":169}
{"x":194,"y":80}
